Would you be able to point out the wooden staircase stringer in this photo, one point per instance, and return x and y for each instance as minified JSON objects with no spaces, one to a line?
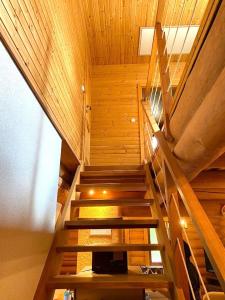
{"x":54,"y":258}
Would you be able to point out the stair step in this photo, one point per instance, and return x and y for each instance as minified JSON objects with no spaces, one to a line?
{"x":108,"y":248}
{"x":111,"y":223}
{"x":115,"y":167}
{"x":113,"y":173}
{"x":111,"y":202}
{"x":111,"y":187}
{"x":115,"y":179}
{"x":106,"y":281}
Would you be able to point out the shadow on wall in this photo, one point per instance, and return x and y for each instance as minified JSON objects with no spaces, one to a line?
{"x":29,"y":166}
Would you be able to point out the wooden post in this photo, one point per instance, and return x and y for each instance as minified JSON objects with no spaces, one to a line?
{"x":151,"y":68}
{"x":167,"y":98}
{"x":153,"y":57}
{"x":140,"y":123}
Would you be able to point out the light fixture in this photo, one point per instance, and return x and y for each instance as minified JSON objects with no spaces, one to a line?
{"x":88,"y":108}
{"x":154,"y":143}
{"x":183,"y":223}
{"x":91,"y":192}
{"x":133,"y":120}
{"x":104,"y":192}
{"x":82,"y":88}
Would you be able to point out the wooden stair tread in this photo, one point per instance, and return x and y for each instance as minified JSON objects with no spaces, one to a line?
{"x":113,"y":173}
{"x":92,"y":280}
{"x":114,"y":167}
{"x":111,"y":186}
{"x":109,"y":248}
{"x":111,"y":202}
{"x":111,"y":223}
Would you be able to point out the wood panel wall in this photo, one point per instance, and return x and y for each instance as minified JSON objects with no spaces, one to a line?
{"x":48,"y":41}
{"x":114,"y":139}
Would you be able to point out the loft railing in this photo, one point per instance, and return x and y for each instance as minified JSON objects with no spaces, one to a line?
{"x":166,"y":76}
{"x":173,"y":185}
{"x":158,"y":105}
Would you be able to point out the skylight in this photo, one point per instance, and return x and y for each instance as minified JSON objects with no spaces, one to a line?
{"x":177,"y":33}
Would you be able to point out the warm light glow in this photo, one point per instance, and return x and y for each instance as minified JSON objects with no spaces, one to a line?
{"x":83,"y":88}
{"x":104,"y":192}
{"x":133,"y":120}
{"x":183,"y":223}
{"x":91,"y":192}
{"x":154,"y":143}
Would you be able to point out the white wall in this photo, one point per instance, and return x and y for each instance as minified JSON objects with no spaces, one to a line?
{"x":29,"y":167}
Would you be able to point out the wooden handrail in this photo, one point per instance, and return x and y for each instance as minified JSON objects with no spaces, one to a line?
{"x":209,"y":238}
{"x":62,"y":216}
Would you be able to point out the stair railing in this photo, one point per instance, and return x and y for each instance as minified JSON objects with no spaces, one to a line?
{"x":171,"y":182}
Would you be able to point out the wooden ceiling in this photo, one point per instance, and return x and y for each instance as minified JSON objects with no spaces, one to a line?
{"x":113,"y":26}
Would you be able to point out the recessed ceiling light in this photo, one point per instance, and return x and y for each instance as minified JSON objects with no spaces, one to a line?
{"x":104,"y":192}
{"x":91,"y":192}
{"x":133,"y":120}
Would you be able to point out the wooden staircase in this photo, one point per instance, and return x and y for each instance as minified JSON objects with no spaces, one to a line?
{"x":125,"y":186}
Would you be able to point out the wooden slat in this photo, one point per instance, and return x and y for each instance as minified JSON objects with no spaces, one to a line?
{"x":111,"y":187}
{"x":111,"y":202}
{"x":115,"y":168}
{"x":141,"y":123}
{"x":113,"y":26}
{"x":108,"y":248}
{"x":110,"y":173}
{"x":167,"y":98}
{"x":153,"y":57}
{"x":125,"y":281}
{"x":114,"y":138}
{"x":26,"y":29}
{"x":110,"y":223}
